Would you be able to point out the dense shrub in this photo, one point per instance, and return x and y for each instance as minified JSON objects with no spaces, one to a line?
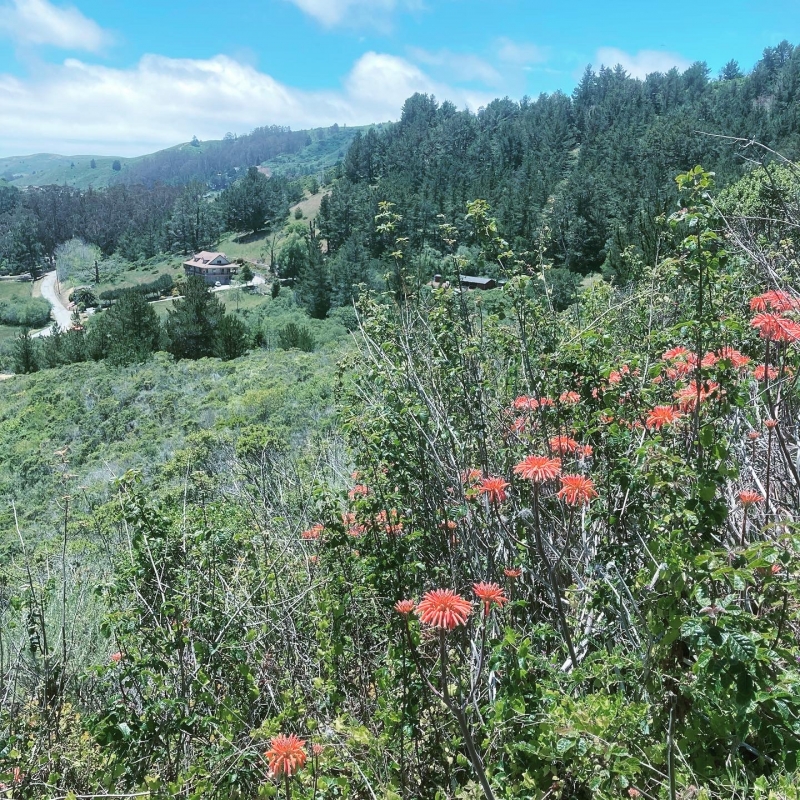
{"x":31,"y":312}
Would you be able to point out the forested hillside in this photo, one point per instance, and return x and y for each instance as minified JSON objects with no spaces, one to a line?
{"x":351,"y":535}
{"x":574,"y":180}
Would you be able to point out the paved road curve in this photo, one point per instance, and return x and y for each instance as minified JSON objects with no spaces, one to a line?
{"x":60,"y":313}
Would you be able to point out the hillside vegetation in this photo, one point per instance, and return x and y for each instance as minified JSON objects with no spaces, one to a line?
{"x":539,"y":542}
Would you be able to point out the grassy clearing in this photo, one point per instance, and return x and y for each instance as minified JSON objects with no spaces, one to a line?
{"x":309,"y":205}
{"x":116,"y":272}
{"x":15,"y":290}
{"x":249,"y":247}
{"x":44,"y":169}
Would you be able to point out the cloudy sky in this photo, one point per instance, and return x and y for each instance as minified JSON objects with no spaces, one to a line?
{"x":125,"y":78}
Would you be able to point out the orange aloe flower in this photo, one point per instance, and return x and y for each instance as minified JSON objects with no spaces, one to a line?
{"x":775,"y":327}
{"x":490,"y":594}
{"x":775,"y":300}
{"x":761,"y":372}
{"x":313,"y":532}
{"x":661,"y":415}
{"x":443,"y":608}
{"x":748,"y":498}
{"x":389,"y":522}
{"x":687,"y":397}
{"x":563,"y":445}
{"x":495,"y":488}
{"x":734,"y":356}
{"x":538,"y":468}
{"x":577,"y":490}
{"x":469,"y":476}
{"x":525,"y":403}
{"x":512,"y":572}
{"x":675,"y":353}
{"x":286,"y":754}
{"x":404,"y":607}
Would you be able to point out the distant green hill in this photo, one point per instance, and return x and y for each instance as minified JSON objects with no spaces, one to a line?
{"x":291,"y":153}
{"x":327,"y":147}
{"x":43,"y":169}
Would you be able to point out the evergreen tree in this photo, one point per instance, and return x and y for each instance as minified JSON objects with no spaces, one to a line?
{"x":192,"y":322}
{"x":195,"y":222}
{"x":230,"y":340}
{"x":314,"y":286}
{"x":131,"y":329}
{"x":24,"y":353}
{"x":246,"y":273}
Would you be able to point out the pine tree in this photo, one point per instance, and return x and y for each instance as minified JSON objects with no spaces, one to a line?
{"x":24,"y":353}
{"x":192,"y":323}
{"x":230,"y":340}
{"x":314,"y":286}
{"x":132,"y":329}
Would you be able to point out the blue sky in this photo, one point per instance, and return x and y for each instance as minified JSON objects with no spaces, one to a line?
{"x":121,"y":77}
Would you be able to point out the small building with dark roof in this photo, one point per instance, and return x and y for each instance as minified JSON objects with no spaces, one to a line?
{"x":475,"y":282}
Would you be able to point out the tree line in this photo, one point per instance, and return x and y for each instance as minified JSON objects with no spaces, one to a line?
{"x":130,"y":331}
{"x":135,"y":221}
{"x":580,"y":183}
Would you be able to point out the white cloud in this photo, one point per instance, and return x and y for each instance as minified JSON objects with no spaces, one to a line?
{"x":352,"y":12}
{"x":78,"y":107}
{"x":521,"y":54}
{"x":39,"y":22}
{"x":461,"y":66}
{"x":641,"y":64}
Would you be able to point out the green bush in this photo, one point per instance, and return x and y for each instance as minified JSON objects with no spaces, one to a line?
{"x":296,"y":336}
{"x":31,"y":312}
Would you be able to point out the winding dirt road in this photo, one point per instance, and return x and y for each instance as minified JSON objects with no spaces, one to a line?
{"x":58,"y":311}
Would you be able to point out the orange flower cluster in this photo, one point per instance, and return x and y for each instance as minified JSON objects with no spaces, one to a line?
{"x":525,"y":403}
{"x":490,"y":594}
{"x":577,"y":490}
{"x":512,"y":572}
{"x":495,"y":489}
{"x":674,"y":354}
{"x":661,"y":415}
{"x":443,"y":608}
{"x":688,"y":396}
{"x":736,"y":359}
{"x":748,"y":498}
{"x":470,"y":476}
{"x":538,"y":469}
{"x":313,"y":533}
{"x":404,"y":607}
{"x":776,"y":328}
{"x":354,"y":528}
{"x":774,"y":301}
{"x":570,"y":398}
{"x":563,"y":445}
{"x":359,"y":490}
{"x":286,"y":754}
{"x":389,"y":522}
{"x":762,"y":372}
